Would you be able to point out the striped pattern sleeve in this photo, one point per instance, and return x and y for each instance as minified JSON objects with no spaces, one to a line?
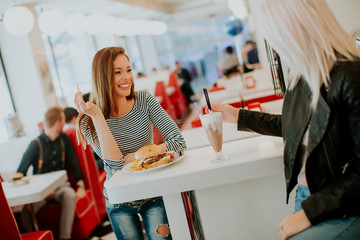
{"x":113,"y":164}
{"x":167,"y":127}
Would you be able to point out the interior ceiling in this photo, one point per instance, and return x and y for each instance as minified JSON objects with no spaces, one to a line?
{"x":173,"y":12}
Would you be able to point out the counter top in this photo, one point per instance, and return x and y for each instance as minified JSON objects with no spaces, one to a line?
{"x":249,"y":158}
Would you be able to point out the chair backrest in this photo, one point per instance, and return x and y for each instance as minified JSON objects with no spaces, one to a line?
{"x":160,"y":91}
{"x":7,"y":220}
{"x":90,"y":171}
{"x":173,"y":82}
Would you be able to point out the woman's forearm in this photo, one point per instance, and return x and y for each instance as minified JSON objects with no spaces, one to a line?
{"x":110,"y":150}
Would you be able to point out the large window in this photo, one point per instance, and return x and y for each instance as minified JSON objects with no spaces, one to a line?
{"x":70,"y":64}
{"x":7,"y":107}
{"x":197,"y":47}
{"x":70,"y":61}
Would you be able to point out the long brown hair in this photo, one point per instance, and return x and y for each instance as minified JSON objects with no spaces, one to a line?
{"x":102,"y":88}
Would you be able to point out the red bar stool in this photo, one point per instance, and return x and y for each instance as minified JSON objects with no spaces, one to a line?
{"x":255,"y":106}
{"x":195,"y":123}
{"x":216,"y":88}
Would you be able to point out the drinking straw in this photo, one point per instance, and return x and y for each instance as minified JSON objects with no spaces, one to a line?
{"x":78,"y":89}
{"x":207,"y":99}
{"x":242,"y":101}
{"x":195,"y":106}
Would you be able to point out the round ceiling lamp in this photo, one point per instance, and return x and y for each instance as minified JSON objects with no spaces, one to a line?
{"x":51,"y":22}
{"x":238,"y":8}
{"x":94,"y":24}
{"x":75,"y":24}
{"x":18,"y":20}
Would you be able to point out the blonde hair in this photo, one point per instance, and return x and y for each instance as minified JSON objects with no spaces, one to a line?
{"x":102,"y":88}
{"x":52,"y":115}
{"x":308,"y":38}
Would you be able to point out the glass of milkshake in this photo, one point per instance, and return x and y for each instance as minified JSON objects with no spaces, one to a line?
{"x":213,"y":125}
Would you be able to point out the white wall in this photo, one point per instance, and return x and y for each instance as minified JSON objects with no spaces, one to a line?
{"x":23,"y":79}
{"x":347,"y":12}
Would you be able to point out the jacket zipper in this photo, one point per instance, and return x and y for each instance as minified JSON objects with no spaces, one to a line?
{"x":328,"y":160}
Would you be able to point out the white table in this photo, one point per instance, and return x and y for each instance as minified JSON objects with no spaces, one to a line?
{"x":250,"y":159}
{"x":36,"y":190}
{"x":39,"y":187}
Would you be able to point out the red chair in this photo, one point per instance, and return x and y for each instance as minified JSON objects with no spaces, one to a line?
{"x":9,"y":228}
{"x":177,"y":98}
{"x":216,"y":88}
{"x":89,"y":209}
{"x":41,"y":126}
{"x":165,"y":101}
{"x":250,"y":82}
{"x":93,"y":178}
{"x":255,"y":105}
{"x":195,"y":123}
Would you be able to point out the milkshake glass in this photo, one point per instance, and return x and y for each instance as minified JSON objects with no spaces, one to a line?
{"x":213,"y":125}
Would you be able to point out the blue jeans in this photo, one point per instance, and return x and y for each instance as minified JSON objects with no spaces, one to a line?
{"x":126,"y":224}
{"x":336,"y":229}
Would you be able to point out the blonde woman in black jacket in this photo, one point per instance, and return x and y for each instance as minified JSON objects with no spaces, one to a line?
{"x":320,"y":120}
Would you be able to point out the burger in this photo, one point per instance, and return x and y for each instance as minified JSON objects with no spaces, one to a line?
{"x":150,"y":156}
{"x":16,"y":178}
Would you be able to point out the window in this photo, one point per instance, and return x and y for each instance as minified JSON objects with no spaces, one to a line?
{"x":70,"y":61}
{"x":7,"y":105}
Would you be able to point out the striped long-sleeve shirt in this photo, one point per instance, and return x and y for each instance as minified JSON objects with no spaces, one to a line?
{"x":135,"y":130}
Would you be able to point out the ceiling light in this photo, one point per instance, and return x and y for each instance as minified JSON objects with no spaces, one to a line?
{"x":75,"y":24}
{"x":18,"y":20}
{"x":51,"y":22}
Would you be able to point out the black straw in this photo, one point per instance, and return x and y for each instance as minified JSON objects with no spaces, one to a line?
{"x":207,"y":98}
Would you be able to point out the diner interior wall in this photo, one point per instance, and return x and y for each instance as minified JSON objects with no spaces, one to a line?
{"x":23,"y":78}
{"x":347,"y":13}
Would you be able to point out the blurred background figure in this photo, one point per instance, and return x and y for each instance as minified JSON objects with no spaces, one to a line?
{"x":52,"y":151}
{"x":185,"y":78}
{"x":229,"y":64}
{"x":250,"y":57}
{"x":70,"y":117}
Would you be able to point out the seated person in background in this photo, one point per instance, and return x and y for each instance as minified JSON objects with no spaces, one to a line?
{"x":250,"y":56}
{"x":70,"y":119}
{"x":185,"y":79}
{"x":52,"y":151}
{"x":230,"y":63}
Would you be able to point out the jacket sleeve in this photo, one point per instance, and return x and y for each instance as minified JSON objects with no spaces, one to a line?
{"x":71,"y":159}
{"x":163,"y":122}
{"x":341,"y":196}
{"x":30,"y":156}
{"x":259,"y":122}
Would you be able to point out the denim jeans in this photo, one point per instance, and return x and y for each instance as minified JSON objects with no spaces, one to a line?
{"x":126,"y":223}
{"x":336,"y":229}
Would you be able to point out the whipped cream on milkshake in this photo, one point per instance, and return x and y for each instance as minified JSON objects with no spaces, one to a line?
{"x":212,"y":123}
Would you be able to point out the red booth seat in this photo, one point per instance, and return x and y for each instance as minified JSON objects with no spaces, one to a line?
{"x":9,"y":228}
{"x":177,"y":98}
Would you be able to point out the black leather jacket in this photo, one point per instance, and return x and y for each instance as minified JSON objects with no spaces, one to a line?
{"x":333,"y":162}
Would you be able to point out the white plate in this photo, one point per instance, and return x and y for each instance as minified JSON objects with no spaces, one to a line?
{"x":177,"y":158}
